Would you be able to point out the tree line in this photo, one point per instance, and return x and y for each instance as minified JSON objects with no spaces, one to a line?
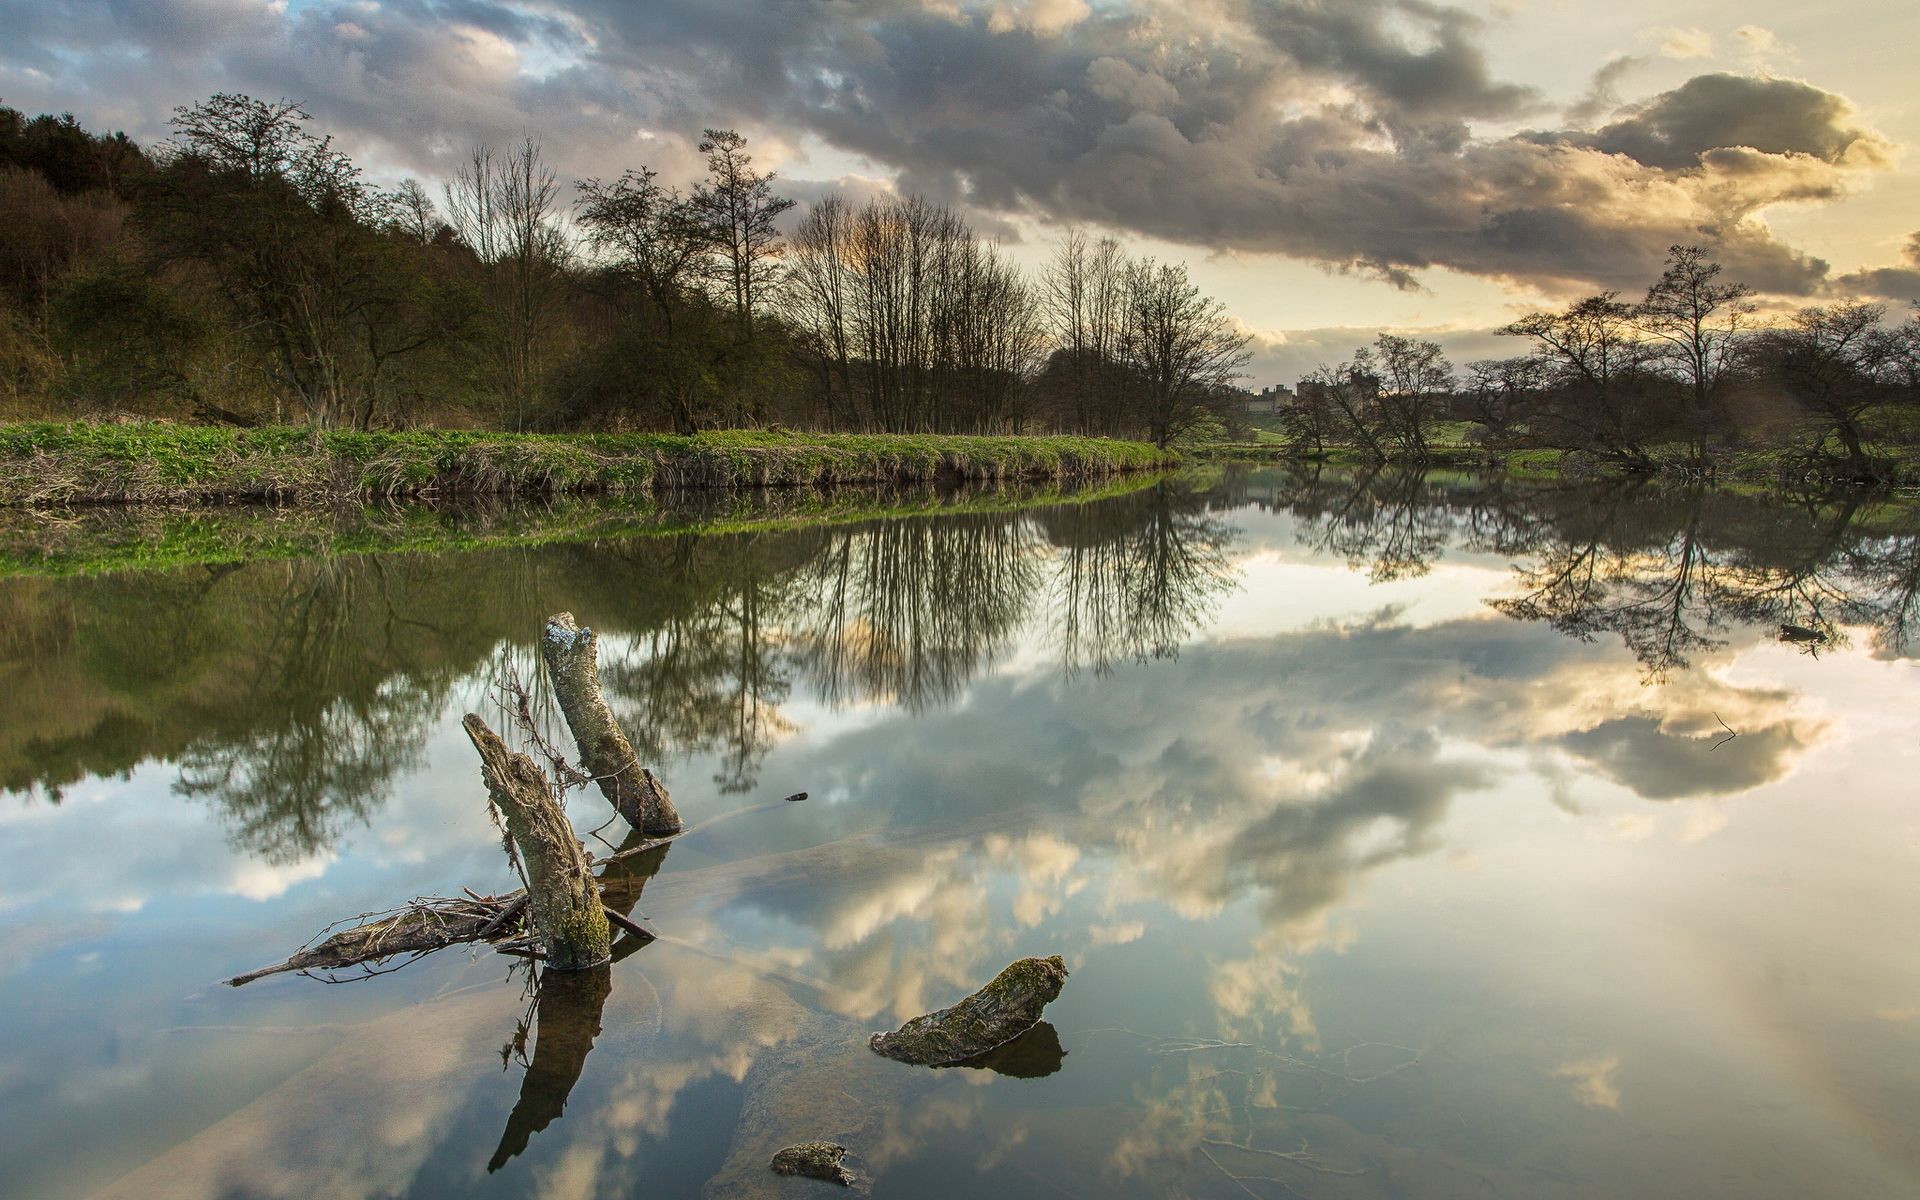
{"x":1685,"y":375}
{"x":246,"y":271}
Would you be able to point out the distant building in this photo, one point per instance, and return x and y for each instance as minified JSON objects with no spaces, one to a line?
{"x":1266,"y":400}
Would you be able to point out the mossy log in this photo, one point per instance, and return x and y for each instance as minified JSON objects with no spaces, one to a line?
{"x":572,"y":656}
{"x":993,"y":1016}
{"x":565,"y":900}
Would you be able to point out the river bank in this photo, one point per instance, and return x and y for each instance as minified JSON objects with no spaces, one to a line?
{"x":60,"y":465}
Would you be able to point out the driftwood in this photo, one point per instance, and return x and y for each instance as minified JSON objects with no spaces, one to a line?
{"x":423,"y":925}
{"x":993,"y":1016}
{"x":573,"y":658}
{"x":564,"y":901}
{"x":430,"y":923}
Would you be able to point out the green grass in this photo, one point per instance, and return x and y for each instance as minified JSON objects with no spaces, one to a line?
{"x":66,"y":464}
{"x":106,"y":540}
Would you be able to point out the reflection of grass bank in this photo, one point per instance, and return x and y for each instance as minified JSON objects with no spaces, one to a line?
{"x":1766,"y":468}
{"x":182,"y":464}
{"x":100,"y":540}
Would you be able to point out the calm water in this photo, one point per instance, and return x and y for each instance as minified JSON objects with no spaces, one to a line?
{"x":1391,"y":830}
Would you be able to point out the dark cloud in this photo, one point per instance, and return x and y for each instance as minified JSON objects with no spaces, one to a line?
{"x":1344,"y":134}
{"x":1899,"y":283}
{"x":1709,"y":113}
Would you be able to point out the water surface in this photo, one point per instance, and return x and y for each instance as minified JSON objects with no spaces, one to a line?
{"x":1404,"y":837}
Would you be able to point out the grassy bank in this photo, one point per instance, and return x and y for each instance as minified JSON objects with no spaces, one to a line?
{"x":105,"y":539}
{"x":53,"y":465}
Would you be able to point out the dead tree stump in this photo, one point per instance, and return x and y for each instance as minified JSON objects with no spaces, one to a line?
{"x":573,"y":659}
{"x":564,"y":899}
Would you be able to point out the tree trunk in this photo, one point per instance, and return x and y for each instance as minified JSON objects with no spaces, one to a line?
{"x":565,"y":901}
{"x":572,"y":657}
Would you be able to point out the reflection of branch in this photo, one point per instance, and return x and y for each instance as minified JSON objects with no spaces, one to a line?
{"x":1723,"y":741}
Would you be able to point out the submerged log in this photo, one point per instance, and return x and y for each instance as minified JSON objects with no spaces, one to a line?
{"x":573,"y":658}
{"x":564,"y":899}
{"x":993,"y":1016}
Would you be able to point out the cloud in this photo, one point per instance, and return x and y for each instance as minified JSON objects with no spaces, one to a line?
{"x":1593,"y":1081}
{"x":1681,"y":43}
{"x":1761,"y":48}
{"x":1350,"y":134}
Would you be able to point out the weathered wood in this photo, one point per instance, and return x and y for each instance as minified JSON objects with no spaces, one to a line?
{"x":415,"y":929}
{"x":565,"y":900}
{"x":993,"y":1016}
{"x":573,"y":660}
{"x":434,"y":924}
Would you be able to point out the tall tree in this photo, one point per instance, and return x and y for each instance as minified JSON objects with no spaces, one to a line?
{"x":650,"y":237}
{"x":1415,"y":378}
{"x":738,"y":207}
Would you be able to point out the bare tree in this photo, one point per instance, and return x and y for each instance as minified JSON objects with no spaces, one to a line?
{"x":651,"y":237}
{"x":1415,"y":378}
{"x":505,"y":208}
{"x":1592,"y":349}
{"x":1696,"y":325}
{"x":818,"y":290}
{"x":292,"y":239}
{"x":414,"y":217}
{"x":1834,"y":361}
{"x":1180,"y":343}
{"x":1344,"y":403}
{"x":1502,"y":391}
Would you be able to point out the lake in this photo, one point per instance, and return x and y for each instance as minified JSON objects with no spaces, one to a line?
{"x":1413,"y":837}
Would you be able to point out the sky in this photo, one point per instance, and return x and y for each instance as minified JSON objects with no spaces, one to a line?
{"x":1328,"y":168}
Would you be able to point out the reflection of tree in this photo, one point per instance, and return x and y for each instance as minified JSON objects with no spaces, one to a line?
{"x":1134,"y":577}
{"x":564,"y":1018}
{"x":710,"y":676}
{"x":1385,"y":522}
{"x":1667,"y":569}
{"x":910,"y":611}
{"x":292,"y":693}
{"x":332,"y":728}
{"x":1661,"y":594}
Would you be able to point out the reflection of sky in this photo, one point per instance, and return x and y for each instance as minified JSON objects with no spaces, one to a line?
{"x":1347,"y":813}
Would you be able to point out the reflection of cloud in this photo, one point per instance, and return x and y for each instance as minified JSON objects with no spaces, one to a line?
{"x":1658,"y":761}
{"x":256,"y":880}
{"x":1593,"y":1080}
{"x":1279,"y":771}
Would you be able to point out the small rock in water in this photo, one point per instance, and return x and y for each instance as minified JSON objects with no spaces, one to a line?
{"x":814,"y":1160}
